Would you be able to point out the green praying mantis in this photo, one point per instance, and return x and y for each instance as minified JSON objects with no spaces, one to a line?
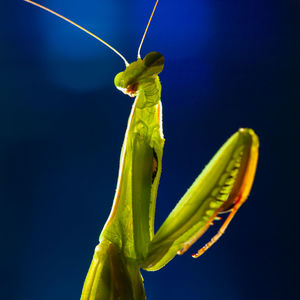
{"x":128,"y":242}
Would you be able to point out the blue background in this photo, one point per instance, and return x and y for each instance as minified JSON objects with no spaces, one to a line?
{"x":228,"y":64}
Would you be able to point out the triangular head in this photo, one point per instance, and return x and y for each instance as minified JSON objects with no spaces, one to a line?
{"x":139,"y":72}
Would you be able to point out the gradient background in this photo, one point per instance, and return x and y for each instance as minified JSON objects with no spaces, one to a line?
{"x":229,"y":64}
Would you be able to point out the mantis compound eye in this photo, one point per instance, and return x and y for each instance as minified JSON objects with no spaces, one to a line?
{"x":153,"y":59}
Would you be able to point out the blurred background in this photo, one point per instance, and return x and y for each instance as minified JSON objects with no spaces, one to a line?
{"x":228,"y":64}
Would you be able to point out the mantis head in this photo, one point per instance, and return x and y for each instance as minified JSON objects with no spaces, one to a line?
{"x":142,"y":70}
{"x":128,"y":80}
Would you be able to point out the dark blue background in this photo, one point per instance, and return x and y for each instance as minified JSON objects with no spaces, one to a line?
{"x":229,"y":64}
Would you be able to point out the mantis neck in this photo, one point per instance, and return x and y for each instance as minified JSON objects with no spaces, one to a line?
{"x":148,"y":93}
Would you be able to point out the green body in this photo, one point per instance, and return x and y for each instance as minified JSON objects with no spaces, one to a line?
{"x":127,"y":242}
{"x":131,"y":222}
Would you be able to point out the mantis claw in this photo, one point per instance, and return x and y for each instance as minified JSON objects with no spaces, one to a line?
{"x":221,"y":231}
{"x":223,"y":186}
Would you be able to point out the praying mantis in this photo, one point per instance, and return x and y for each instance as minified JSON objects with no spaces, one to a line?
{"x":128,"y":242}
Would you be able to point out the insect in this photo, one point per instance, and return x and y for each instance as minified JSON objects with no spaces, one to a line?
{"x":128,"y":241}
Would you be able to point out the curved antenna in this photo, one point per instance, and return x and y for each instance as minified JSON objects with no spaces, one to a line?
{"x":83,"y":29}
{"x":139,"y":50}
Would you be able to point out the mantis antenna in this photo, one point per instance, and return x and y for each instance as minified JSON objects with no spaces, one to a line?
{"x":139,"y":50}
{"x":83,"y":29}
